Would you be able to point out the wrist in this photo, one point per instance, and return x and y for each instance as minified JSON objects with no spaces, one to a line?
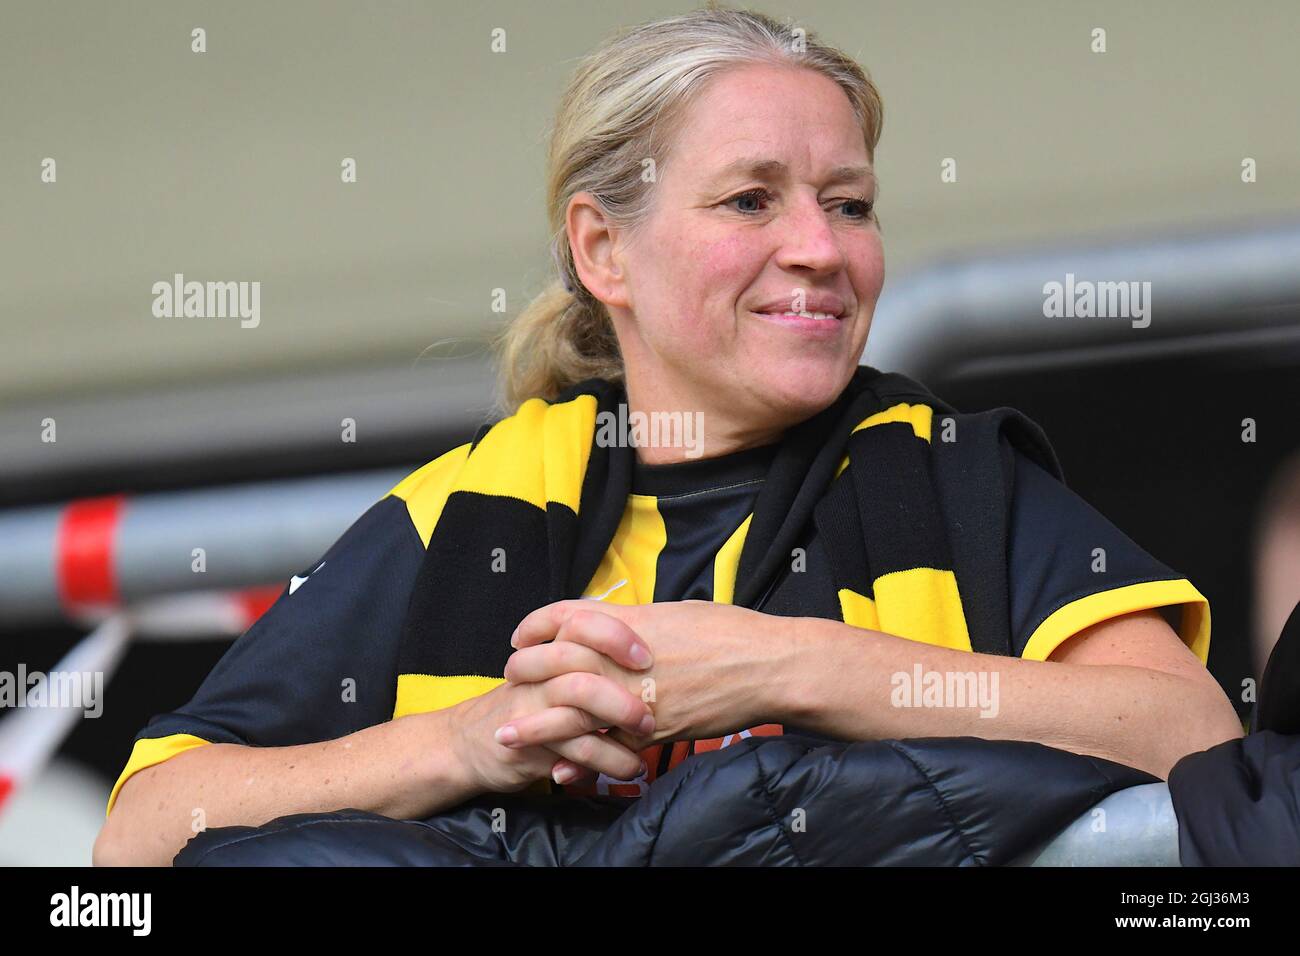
{"x":447,"y":767}
{"x":820,"y":671}
{"x":459,"y":771}
{"x":787,"y":688}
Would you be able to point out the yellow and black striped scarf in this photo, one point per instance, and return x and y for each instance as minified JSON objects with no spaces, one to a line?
{"x":911,"y":497}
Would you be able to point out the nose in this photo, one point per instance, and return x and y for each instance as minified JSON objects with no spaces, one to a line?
{"x":809,"y":238}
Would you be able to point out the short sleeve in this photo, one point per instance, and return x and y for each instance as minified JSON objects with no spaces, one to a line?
{"x":1070,"y":568}
{"x":321,"y":663}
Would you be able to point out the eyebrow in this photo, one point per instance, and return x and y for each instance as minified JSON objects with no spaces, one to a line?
{"x":775,"y":169}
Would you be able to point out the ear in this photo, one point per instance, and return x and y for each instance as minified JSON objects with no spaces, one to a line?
{"x":596,"y":245}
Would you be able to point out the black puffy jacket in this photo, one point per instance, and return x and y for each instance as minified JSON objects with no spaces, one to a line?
{"x":1238,"y":803}
{"x":766,"y":801}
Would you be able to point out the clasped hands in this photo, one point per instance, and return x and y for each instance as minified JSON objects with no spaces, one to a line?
{"x":657,"y":672}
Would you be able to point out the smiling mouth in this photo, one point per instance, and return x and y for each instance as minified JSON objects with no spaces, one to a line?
{"x":819,"y":316}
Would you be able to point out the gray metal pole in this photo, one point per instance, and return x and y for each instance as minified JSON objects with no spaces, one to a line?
{"x":251,"y":534}
{"x":959,"y":311}
{"x":1131,"y":827}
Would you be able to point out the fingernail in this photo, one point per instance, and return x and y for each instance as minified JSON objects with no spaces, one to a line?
{"x":647,"y":725}
{"x":514,"y":637}
{"x":644,"y":769}
{"x":564,"y":775}
{"x":506,"y":735}
{"x":640,"y":656}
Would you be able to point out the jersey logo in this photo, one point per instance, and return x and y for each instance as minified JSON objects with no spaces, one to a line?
{"x":601,"y":597}
{"x":296,"y":582}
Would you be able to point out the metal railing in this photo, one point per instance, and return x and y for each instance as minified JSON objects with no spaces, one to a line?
{"x":1131,"y":827}
{"x":113,"y":552}
{"x":986,"y":313}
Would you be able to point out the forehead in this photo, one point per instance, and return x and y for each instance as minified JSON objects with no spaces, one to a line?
{"x":766,"y":120}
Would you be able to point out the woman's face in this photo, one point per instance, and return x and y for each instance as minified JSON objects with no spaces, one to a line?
{"x":726,"y":241}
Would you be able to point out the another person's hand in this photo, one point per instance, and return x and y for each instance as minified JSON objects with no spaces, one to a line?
{"x":712,"y":664}
{"x":575,"y":706}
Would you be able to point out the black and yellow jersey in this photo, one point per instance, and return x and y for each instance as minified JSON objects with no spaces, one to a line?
{"x":321,"y":663}
{"x":680,"y":539}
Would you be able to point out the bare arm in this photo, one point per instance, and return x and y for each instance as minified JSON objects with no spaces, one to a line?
{"x":1126,"y":689}
{"x":405,"y":768}
{"x":408,"y":768}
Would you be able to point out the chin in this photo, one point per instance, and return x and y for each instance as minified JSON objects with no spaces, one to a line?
{"x":806,"y":390}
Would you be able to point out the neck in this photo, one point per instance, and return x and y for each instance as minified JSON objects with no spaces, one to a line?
{"x":659,"y":455}
{"x":668,"y":430}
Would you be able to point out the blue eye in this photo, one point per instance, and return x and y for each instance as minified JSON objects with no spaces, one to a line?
{"x":751,"y":194}
{"x":763,"y":195}
{"x":870,"y":205}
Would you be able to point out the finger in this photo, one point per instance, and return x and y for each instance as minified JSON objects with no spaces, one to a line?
{"x":544,"y":726}
{"x":635,"y":742}
{"x":583,"y":774}
{"x":602,"y":755}
{"x":601,"y":630}
{"x":541,"y":623}
{"x":544,"y":661}
{"x":612,"y":705}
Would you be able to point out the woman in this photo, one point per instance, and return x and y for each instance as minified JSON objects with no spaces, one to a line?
{"x":712,"y":197}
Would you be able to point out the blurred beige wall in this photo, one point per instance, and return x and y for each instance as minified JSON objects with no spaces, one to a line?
{"x":225,"y":165}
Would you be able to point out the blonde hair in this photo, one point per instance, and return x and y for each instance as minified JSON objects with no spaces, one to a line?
{"x":623,"y":105}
